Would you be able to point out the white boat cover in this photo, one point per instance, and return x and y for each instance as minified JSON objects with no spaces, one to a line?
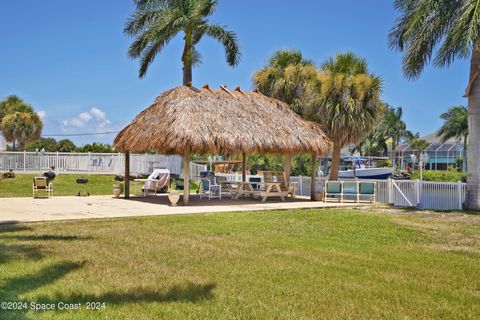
{"x":163,"y":177}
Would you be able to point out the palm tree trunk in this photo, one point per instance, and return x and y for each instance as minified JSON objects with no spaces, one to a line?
{"x":187,"y":60}
{"x":472,"y":200}
{"x":464,"y":154}
{"x":335,"y":161}
{"x":394,"y":149}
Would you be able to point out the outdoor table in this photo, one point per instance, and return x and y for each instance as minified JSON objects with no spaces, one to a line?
{"x":273,"y":189}
{"x":243,"y":188}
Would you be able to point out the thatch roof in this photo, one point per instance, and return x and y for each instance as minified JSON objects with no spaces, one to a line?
{"x":207,"y":120}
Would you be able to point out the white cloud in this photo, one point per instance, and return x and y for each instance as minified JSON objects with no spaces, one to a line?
{"x":42,"y":114}
{"x":98,"y":114}
{"x":94,"y":120}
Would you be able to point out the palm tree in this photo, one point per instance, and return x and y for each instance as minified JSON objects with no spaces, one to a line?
{"x":444,"y":30}
{"x":21,"y":127}
{"x":373,"y":144}
{"x":156,"y":22}
{"x":393,"y":128}
{"x":12,"y":104}
{"x":456,"y":126}
{"x":346,"y":101}
{"x":285,"y":78}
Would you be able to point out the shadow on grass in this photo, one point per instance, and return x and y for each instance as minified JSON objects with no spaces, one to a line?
{"x":12,"y":230}
{"x":44,"y":237}
{"x":12,"y":226}
{"x":12,"y":289}
{"x":190,"y":292}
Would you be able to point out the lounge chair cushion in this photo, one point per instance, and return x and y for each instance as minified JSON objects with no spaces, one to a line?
{"x":367,"y":188}
{"x":349,"y":187}
{"x":334,"y":187}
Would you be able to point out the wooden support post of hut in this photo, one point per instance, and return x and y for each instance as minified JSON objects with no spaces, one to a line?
{"x":313,"y":176}
{"x":127,"y":175}
{"x":244,"y":167}
{"x":186,"y":177}
{"x":287,"y":168}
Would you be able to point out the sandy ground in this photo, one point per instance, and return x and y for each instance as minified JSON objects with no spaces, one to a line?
{"x":66,"y":208}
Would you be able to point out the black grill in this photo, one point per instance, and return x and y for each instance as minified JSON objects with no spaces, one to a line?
{"x":82,"y":182}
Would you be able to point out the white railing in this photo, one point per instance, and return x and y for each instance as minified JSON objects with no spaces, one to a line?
{"x":406,"y":193}
{"x":66,"y":162}
{"x":442,"y":195}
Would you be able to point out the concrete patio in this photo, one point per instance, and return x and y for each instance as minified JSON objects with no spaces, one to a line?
{"x":94,"y":207}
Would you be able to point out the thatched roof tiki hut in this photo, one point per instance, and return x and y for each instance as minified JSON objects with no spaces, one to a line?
{"x":186,"y":119}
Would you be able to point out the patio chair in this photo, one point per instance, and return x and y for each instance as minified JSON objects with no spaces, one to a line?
{"x":257,"y":185}
{"x":333,"y":189}
{"x":41,"y":183}
{"x":179,"y":184}
{"x":350,"y":189}
{"x":211,"y":188}
{"x":367,"y":191}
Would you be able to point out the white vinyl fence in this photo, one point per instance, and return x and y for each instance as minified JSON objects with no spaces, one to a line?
{"x":70,"y":162}
{"x":400,"y":193}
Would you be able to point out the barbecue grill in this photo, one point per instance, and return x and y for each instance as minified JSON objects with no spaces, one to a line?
{"x":82,"y":187}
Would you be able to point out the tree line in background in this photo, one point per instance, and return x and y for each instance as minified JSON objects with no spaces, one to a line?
{"x":67,"y":145}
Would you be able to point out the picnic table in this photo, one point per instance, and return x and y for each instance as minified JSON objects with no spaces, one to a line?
{"x":272,"y":189}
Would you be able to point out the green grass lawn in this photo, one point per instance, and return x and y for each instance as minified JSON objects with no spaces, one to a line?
{"x":63,"y":185}
{"x":308,"y":264}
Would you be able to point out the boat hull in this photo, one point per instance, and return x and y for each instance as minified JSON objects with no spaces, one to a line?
{"x":366,"y":173}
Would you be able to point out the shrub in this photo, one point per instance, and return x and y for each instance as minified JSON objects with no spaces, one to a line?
{"x":441,"y":176}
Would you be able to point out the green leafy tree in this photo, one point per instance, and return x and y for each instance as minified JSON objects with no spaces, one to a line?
{"x":345,"y":99}
{"x":49,"y":144}
{"x":156,"y":22}
{"x":285,"y":77}
{"x":441,"y":31}
{"x":418,"y":144}
{"x":372,"y":145}
{"x":97,"y":147}
{"x":456,"y":126}
{"x":66,"y":145}
{"x":21,"y":127}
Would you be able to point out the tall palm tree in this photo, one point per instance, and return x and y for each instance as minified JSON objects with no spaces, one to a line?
{"x":285,"y":78}
{"x":21,"y":127}
{"x":393,"y":128}
{"x":444,"y":30}
{"x":456,"y":126}
{"x":156,"y":22}
{"x":346,"y":101}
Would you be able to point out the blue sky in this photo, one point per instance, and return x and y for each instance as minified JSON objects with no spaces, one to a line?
{"x":68,"y":58}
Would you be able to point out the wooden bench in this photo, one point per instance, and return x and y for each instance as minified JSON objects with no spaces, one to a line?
{"x":355,"y":191}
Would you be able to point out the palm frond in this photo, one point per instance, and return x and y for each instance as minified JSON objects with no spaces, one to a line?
{"x":228,"y":39}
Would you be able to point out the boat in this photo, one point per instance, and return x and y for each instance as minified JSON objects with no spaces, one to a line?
{"x":361,"y":171}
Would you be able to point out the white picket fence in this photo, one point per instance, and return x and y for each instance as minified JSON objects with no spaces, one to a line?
{"x":400,"y":193}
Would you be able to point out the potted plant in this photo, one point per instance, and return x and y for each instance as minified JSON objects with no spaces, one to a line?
{"x":117,"y":189}
{"x":173,"y":196}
